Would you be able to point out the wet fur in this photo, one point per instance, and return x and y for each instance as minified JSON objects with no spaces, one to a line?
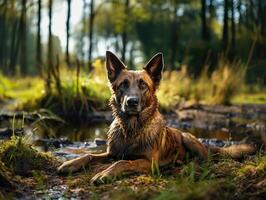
{"x":137,"y":141}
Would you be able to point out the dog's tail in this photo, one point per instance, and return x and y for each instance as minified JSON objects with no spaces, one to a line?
{"x":235,"y":151}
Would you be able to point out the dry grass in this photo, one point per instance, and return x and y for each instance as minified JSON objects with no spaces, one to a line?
{"x":174,"y":88}
{"x":220,"y":87}
{"x":227,"y":81}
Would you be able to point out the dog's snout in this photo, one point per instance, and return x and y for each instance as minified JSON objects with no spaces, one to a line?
{"x":132,"y":101}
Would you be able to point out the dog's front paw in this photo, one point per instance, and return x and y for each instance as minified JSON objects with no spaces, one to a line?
{"x":101,"y":178}
{"x":69,"y":167}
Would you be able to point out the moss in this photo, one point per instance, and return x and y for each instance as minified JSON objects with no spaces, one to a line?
{"x":21,"y":158}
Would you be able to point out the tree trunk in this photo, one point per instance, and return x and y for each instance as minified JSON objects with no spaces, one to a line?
{"x":204,"y":27}
{"x":174,"y":38}
{"x":261,"y":24}
{"x":50,"y":48}
{"x":262,"y":16}
{"x":263,"y":27}
{"x":39,"y":43}
{"x":84,"y":25}
{"x":3,"y":34}
{"x":23,"y":38}
{"x":233,"y":31}
{"x":125,"y":34}
{"x":239,"y":10}
{"x":15,"y":42}
{"x":67,"y":31}
{"x":91,"y":30}
{"x":211,"y":10}
{"x":251,"y":18}
{"x":225,"y":26}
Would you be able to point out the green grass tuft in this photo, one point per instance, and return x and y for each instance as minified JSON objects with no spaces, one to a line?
{"x":21,"y":158}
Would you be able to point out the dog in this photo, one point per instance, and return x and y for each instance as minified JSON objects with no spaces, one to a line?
{"x":138,"y":136}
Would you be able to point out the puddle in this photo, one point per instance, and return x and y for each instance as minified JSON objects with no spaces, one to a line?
{"x":67,"y":143}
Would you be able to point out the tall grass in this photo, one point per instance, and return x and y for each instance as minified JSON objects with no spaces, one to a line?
{"x":79,"y":92}
{"x":82,"y":92}
{"x":227,"y":81}
{"x":219,"y":87}
{"x":175,"y":87}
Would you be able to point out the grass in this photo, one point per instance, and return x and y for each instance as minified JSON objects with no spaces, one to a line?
{"x":227,"y":81}
{"x":23,"y":168}
{"x":251,"y":94}
{"x":23,"y":90}
{"x":222,"y":86}
{"x":82,"y":92}
{"x":226,"y":179}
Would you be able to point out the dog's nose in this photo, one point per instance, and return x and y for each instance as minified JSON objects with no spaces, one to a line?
{"x":132,"y":101}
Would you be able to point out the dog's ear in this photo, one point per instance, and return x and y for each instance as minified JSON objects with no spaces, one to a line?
{"x":114,"y":66}
{"x":155,"y":67}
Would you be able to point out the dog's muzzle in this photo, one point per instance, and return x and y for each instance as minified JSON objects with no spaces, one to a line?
{"x":132,"y":106}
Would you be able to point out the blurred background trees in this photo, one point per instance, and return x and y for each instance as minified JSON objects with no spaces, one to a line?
{"x":193,"y":33}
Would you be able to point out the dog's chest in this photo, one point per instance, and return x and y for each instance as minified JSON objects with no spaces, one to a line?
{"x":127,"y":147}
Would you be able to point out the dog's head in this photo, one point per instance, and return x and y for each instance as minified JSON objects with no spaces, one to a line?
{"x":133,"y":91}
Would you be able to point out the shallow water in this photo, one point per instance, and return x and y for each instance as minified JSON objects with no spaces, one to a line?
{"x":69,"y":142}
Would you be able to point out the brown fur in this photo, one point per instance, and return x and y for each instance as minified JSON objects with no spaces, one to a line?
{"x":138,"y":137}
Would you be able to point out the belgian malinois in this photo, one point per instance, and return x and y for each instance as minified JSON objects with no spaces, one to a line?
{"x":139,"y":136}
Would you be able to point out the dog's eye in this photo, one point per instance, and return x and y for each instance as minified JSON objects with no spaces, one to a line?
{"x":124,"y":84}
{"x":142,"y":84}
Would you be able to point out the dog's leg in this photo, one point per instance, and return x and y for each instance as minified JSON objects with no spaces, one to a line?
{"x":140,"y":165}
{"x":194,"y":145}
{"x":77,"y":163}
